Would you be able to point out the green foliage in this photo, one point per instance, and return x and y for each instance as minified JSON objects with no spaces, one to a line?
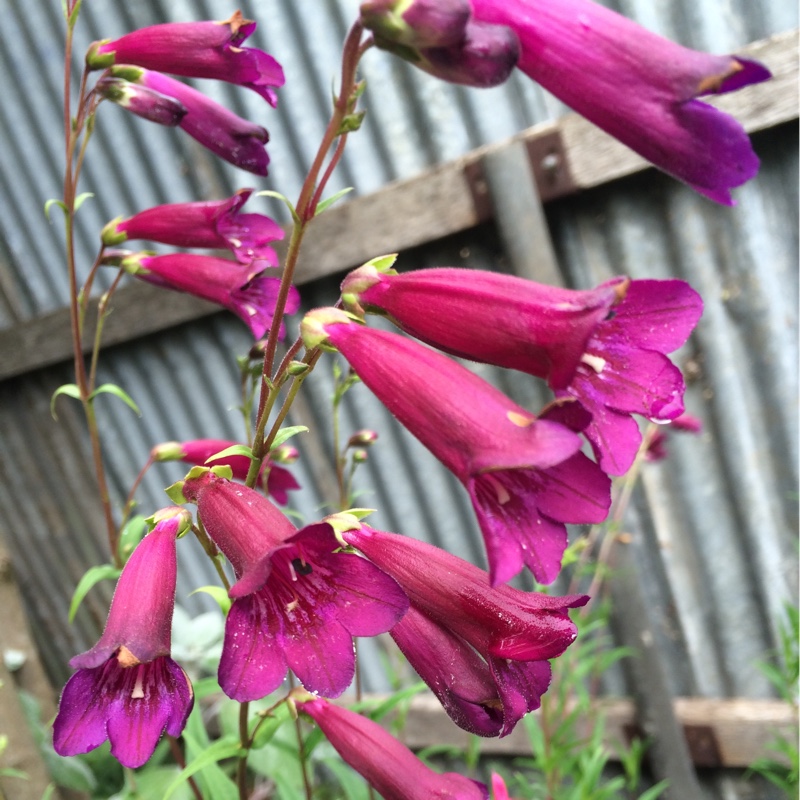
{"x":783,"y":770}
{"x":92,"y":576}
{"x":571,"y":759}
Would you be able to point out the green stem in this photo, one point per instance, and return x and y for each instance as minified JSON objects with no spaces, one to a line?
{"x":244,"y":738}
{"x":102,"y":312}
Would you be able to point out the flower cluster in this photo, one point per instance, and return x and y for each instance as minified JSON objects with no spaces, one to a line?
{"x":132,"y":77}
{"x":302,"y":596}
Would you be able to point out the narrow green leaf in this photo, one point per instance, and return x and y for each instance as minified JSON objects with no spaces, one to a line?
{"x":265,"y":730}
{"x":49,"y":792}
{"x":69,"y":389}
{"x":218,"y":594}
{"x":325,"y":204}
{"x":81,"y":198}
{"x":73,"y":17}
{"x":287,"y":433}
{"x":215,"y":752}
{"x":233,"y":450}
{"x":205,"y":687}
{"x":281,"y":197}
{"x":90,"y":578}
{"x":53,"y":202}
{"x":655,"y":791}
{"x":112,"y":388}
{"x":10,"y":772}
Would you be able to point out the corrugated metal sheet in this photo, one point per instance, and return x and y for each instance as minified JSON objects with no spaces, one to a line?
{"x":715,"y":527}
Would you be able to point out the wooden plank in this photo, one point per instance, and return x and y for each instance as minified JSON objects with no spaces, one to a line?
{"x":737,"y":730}
{"x":405,"y":214}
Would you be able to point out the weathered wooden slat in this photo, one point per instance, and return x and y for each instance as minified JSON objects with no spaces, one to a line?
{"x":720,"y":732}
{"x":438,"y":203}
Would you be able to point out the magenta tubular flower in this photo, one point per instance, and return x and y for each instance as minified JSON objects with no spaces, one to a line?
{"x":525,"y":476}
{"x":206,"y":49}
{"x":127,"y":689}
{"x":276,"y":481}
{"x":625,"y":370}
{"x":240,"y":288}
{"x":486,"y":316}
{"x":214,"y":224}
{"x":605,"y":347}
{"x":385,"y":763}
{"x":297,"y":602}
{"x":637,"y":86}
{"x":236,"y":140}
{"x":657,"y":445}
{"x":482,"y":698}
{"x":513,"y":632}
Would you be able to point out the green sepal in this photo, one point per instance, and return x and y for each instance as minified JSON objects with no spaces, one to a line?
{"x":218,"y":594}
{"x":91,"y":577}
{"x":383,"y":264}
{"x":69,"y":389}
{"x":112,"y":388}
{"x":95,"y":60}
{"x":133,"y":533}
{"x":175,"y":493}
{"x":325,"y":204}
{"x":285,"y":434}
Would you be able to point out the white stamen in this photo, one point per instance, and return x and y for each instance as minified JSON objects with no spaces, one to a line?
{"x":502,"y":493}
{"x":138,"y":688}
{"x":595,"y":362}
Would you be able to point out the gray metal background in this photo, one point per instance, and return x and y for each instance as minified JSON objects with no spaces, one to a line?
{"x":715,"y":527}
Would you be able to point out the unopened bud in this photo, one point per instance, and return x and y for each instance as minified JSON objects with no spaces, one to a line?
{"x":257,"y":350}
{"x":417,"y":23}
{"x":168,"y":451}
{"x":297,"y":368}
{"x":110,"y":236}
{"x":363,"y":438}
{"x":360,"y":456}
{"x":284,"y":454}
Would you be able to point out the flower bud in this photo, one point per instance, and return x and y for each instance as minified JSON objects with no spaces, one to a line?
{"x":363,"y":438}
{"x":360,"y":456}
{"x":417,"y":23}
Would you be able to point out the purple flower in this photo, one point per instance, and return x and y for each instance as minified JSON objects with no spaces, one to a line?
{"x":486,"y":316}
{"x":625,"y":370}
{"x":298,"y":602}
{"x":236,"y":140}
{"x":605,"y":347}
{"x":657,"y":445}
{"x":276,"y":480}
{"x":385,"y":763}
{"x":206,"y":49}
{"x":637,"y":86}
{"x":127,"y":689}
{"x":525,"y":476}
{"x":483,"y":651}
{"x":213,"y":224}
{"x":240,"y":288}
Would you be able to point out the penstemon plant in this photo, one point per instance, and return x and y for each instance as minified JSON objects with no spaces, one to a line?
{"x":299,"y":598}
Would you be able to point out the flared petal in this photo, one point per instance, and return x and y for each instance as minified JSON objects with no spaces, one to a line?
{"x":522,"y":513}
{"x":252,"y":663}
{"x":520,"y":686}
